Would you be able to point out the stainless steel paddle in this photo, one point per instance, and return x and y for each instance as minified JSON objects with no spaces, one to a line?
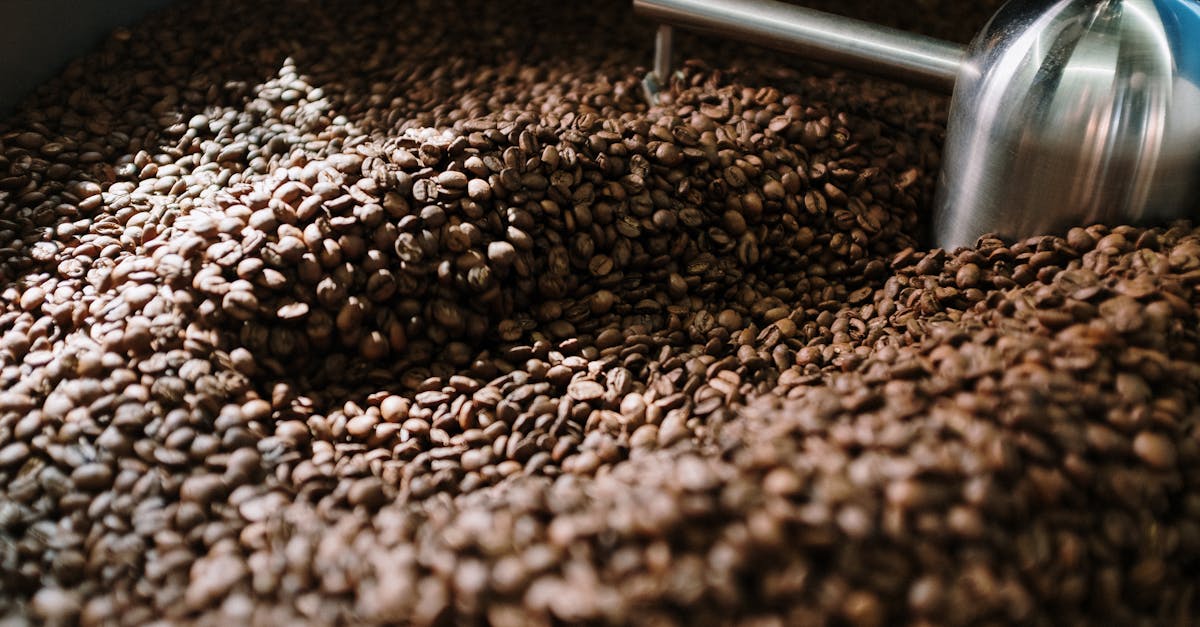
{"x":1064,"y":113}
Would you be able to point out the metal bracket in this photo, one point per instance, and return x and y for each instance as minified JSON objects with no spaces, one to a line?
{"x":660,"y":77}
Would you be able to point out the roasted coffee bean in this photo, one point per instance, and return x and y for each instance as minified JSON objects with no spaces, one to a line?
{"x":354,"y":324}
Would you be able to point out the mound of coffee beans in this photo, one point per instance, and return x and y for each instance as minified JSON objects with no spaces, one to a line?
{"x":419,"y":313}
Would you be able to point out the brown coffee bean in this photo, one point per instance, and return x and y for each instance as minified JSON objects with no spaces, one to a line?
{"x":338,"y":327}
{"x":1155,"y":449}
{"x":92,"y":477}
{"x":202,"y":489}
{"x":56,"y":606}
{"x":13,"y":454}
{"x":502,"y":253}
{"x":584,"y":391}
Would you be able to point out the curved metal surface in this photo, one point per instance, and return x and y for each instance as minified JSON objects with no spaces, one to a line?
{"x":819,"y":36}
{"x":1070,"y":113}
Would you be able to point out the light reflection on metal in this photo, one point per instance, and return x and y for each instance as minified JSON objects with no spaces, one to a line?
{"x":1085,"y":116}
{"x":815,"y":35}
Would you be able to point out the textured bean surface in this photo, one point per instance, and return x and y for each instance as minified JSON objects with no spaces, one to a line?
{"x":321,"y":313}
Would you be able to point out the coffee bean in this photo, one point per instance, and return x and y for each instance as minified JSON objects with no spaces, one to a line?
{"x":92,"y":477}
{"x":1155,"y":449}
{"x":584,"y":391}
{"x":13,"y":454}
{"x":354,"y":324}
{"x":367,"y":492}
{"x":452,"y":180}
{"x":502,"y":253}
{"x":56,"y":606}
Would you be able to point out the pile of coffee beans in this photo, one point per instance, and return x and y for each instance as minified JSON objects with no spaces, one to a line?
{"x":420,"y":314}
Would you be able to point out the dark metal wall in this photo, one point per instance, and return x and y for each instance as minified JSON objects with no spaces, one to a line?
{"x":38,"y":37}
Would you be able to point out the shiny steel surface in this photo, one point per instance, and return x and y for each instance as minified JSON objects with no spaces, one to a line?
{"x":1070,"y":113}
{"x":816,"y":35}
{"x":662,"y":51}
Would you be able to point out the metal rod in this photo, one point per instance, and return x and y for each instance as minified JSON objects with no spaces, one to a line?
{"x":662,"y":53}
{"x":819,"y":36}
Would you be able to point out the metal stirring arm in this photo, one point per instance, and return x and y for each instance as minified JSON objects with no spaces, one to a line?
{"x":1064,"y":112}
{"x":846,"y":42}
